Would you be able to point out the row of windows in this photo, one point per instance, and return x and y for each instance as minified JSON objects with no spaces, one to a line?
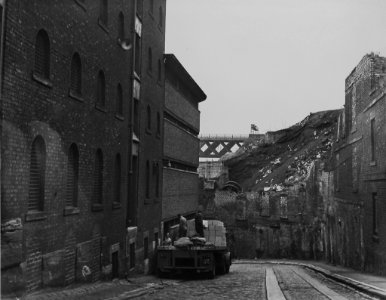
{"x":38,"y":170}
{"x":42,"y":69}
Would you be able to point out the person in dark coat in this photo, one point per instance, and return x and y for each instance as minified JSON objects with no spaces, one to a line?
{"x":199,"y":224}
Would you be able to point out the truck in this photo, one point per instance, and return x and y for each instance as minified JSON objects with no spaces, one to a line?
{"x":211,"y":256}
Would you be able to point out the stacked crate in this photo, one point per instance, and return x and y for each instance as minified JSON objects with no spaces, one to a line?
{"x":215,"y":233}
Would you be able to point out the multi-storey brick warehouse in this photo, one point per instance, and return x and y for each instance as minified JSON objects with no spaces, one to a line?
{"x":70,"y":102}
{"x":357,"y":230}
{"x":181,"y":142}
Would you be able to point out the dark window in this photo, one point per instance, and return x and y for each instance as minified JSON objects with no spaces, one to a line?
{"x":37,"y":175}
{"x":72,"y":176}
{"x":103,"y":12}
{"x":160,"y":19}
{"x":136,"y":117}
{"x":148,"y":117}
{"x":157,"y":180}
{"x":372,"y":137}
{"x":151,"y":6}
{"x":117,"y":179}
{"x":98,"y":177}
{"x":101,"y":89}
{"x":156,"y":239}
{"x":42,"y":54}
{"x":139,"y":7}
{"x":138,"y":54}
{"x":121,"y":26}
{"x":159,"y":70}
{"x":150,"y":60}
{"x":158,"y":124}
{"x":119,"y":104}
{"x":147,"y":179}
{"x":375,"y":216}
{"x":76,"y":74}
{"x":145,"y":248}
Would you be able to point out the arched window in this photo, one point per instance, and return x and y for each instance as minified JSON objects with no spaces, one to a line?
{"x":148,"y":117}
{"x":76,"y":74}
{"x":121,"y":26}
{"x":160,"y":18}
{"x":72,"y":176}
{"x":37,"y":175}
{"x":42,"y":54}
{"x":147,"y":179}
{"x":103,"y":12}
{"x":119,"y":100}
{"x":157,"y":178}
{"x":98,"y":177}
{"x":117,"y":179}
{"x":150,"y":60}
{"x":158,"y":123}
{"x":159,"y":70}
{"x":101,"y":89}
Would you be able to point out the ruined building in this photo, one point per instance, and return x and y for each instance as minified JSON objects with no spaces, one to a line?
{"x":82,"y":87}
{"x":356,"y":228}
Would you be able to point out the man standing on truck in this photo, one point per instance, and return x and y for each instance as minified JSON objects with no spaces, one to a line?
{"x":183,"y":228}
{"x":199,"y":224}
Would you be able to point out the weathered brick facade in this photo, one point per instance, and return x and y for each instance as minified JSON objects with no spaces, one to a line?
{"x":57,"y":243}
{"x":181,"y":142}
{"x":357,"y":230}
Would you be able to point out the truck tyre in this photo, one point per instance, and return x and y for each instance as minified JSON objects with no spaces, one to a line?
{"x":212,"y":274}
{"x":227,"y":266}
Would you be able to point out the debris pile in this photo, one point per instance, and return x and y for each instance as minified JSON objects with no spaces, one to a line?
{"x":275,"y":166}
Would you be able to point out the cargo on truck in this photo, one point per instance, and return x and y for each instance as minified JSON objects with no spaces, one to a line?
{"x":208,"y":254}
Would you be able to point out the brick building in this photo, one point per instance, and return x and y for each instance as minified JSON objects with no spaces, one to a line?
{"x":356,"y":230}
{"x":74,"y":117}
{"x":181,"y":142}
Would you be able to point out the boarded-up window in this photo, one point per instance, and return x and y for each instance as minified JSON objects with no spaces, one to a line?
{"x":101,"y":89}
{"x":37,"y":175}
{"x":76,"y":74}
{"x":98,"y":177}
{"x":42,"y":54}
{"x":117,"y":178}
{"x":119,"y":100}
{"x":72,"y":176}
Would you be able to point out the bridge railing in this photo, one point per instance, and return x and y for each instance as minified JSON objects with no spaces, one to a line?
{"x":223,"y":136}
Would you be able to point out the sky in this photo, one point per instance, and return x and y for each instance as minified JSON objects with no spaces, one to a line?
{"x":271,"y":62}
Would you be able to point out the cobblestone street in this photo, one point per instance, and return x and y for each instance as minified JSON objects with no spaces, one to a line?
{"x":257,"y":281}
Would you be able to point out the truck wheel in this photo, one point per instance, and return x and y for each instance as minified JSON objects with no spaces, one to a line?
{"x":227,"y":266}
{"x":212,"y":274}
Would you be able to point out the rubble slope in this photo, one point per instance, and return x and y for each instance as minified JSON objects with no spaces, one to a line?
{"x":287,"y":158}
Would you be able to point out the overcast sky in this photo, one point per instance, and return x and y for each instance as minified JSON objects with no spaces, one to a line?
{"x":271,"y":62}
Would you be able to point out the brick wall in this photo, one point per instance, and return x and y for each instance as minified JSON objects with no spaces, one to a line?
{"x":31,"y":108}
{"x":357,"y":175}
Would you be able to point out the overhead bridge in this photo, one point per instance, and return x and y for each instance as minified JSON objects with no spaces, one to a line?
{"x":217,"y":145}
